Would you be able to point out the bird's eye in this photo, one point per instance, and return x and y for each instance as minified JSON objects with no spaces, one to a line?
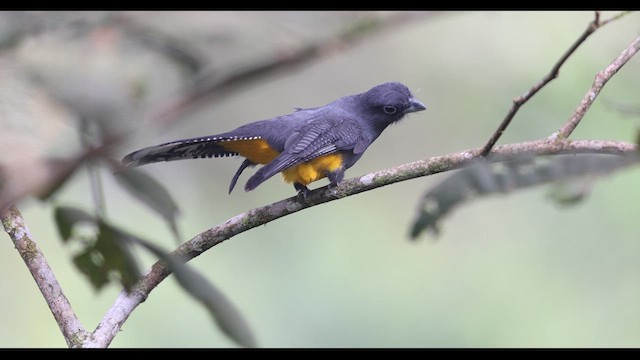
{"x":389,"y":109}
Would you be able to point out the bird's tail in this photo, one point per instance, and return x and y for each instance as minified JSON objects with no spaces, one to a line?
{"x":201,"y":147}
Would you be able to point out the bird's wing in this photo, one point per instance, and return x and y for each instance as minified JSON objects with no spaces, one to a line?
{"x":321,"y":137}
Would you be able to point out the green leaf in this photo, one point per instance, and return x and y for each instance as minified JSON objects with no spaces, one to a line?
{"x":66,"y":217}
{"x":503,"y":175}
{"x":222,"y":310}
{"x":151,"y":193}
{"x":91,"y":265}
{"x":108,"y":257}
{"x":113,"y":246}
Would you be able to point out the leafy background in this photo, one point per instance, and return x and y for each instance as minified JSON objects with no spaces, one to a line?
{"x":507,"y":271}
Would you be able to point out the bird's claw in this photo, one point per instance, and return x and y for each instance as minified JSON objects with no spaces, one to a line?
{"x":303,"y":191}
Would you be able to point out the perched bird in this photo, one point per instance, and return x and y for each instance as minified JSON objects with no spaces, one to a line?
{"x":305,"y":146}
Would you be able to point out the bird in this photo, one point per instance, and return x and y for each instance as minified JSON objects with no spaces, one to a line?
{"x":306,"y":145}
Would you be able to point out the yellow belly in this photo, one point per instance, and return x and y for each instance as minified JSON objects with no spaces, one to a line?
{"x":313,"y":170}
{"x":259,"y":152}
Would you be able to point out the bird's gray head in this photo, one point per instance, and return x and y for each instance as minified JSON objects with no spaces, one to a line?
{"x":390,"y":102}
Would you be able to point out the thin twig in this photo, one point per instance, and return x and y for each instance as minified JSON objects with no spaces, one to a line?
{"x":555,"y":70}
{"x":72,"y":330}
{"x":166,"y":45}
{"x":601,"y":79}
{"x":59,"y":171}
{"x":126,"y":303}
{"x":88,"y":138}
{"x":614,"y":18}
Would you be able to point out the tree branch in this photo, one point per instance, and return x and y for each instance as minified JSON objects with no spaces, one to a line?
{"x":126,"y":303}
{"x":207,"y":87}
{"x":13,"y":223}
{"x":76,"y":336}
{"x":555,"y":70}
{"x":601,"y":79}
{"x":58,"y":171}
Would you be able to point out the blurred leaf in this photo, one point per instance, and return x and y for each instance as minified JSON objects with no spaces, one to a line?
{"x":109,"y":255}
{"x":113,"y":246}
{"x":486,"y":178}
{"x":93,"y":267}
{"x":66,"y":217}
{"x":222,"y":310}
{"x":569,"y":194}
{"x":151,"y":193}
{"x":628,"y":109}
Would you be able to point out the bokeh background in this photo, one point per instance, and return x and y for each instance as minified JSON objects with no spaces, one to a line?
{"x":514,"y":270}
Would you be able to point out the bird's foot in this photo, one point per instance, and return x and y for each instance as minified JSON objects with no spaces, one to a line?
{"x":333,"y":185}
{"x":303,"y":191}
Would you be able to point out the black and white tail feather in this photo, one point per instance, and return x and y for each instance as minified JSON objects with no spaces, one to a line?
{"x":195,"y":148}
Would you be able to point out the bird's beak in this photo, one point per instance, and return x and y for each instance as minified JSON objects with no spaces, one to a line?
{"x":415,"y":105}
